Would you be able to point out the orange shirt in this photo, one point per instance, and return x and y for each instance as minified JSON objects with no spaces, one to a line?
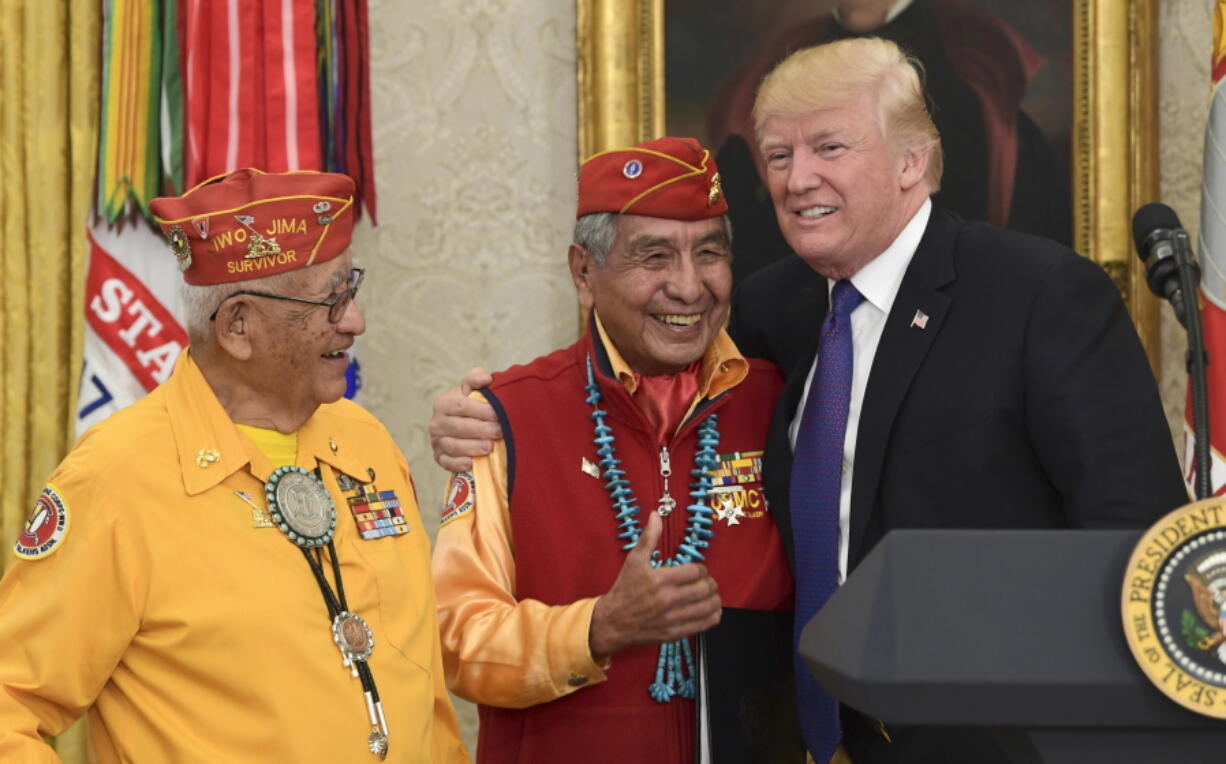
{"x":189,"y":628}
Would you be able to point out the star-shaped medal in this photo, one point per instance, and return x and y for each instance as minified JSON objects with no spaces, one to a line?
{"x":728,"y":511}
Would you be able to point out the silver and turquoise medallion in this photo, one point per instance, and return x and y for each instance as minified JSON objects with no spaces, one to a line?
{"x":301,"y":506}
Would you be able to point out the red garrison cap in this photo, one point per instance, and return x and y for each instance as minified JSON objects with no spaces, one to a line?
{"x":672,"y":178}
{"x":248,"y":224}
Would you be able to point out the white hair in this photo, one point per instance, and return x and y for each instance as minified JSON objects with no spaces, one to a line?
{"x":597,"y":231}
{"x":199,"y":302}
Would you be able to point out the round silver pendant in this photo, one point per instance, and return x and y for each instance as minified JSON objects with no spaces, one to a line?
{"x":377,"y":743}
{"x":353,"y":636}
{"x":301,"y":507}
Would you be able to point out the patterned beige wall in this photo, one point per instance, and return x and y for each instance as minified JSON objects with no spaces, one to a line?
{"x":474,"y":129}
{"x":474,"y":109}
{"x":1186,"y":39}
{"x":475,"y":157}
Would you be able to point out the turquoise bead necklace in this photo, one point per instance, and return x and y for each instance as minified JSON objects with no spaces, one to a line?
{"x":675,"y":667}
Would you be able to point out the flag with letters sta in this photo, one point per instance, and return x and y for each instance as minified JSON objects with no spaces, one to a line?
{"x":133,"y":333}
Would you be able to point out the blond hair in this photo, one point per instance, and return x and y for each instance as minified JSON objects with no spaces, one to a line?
{"x":833,"y":74}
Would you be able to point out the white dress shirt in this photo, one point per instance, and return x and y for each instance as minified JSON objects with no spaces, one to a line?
{"x":878,"y":282}
{"x":898,"y":7}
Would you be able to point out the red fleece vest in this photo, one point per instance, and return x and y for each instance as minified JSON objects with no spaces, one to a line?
{"x":566,"y":546}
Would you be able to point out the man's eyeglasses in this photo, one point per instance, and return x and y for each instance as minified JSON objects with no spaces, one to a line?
{"x":337,"y":303}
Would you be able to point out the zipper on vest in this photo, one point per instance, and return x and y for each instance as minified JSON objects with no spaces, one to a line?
{"x":667,"y":502}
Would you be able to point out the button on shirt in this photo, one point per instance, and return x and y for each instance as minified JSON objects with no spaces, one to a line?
{"x":879,"y":282}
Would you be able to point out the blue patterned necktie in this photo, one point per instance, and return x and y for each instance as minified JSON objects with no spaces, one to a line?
{"x":817,"y":471}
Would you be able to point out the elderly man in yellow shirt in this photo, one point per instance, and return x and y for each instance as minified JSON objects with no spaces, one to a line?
{"x":234,"y":568}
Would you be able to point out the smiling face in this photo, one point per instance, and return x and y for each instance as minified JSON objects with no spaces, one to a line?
{"x":841,"y":194}
{"x":662,"y":292}
{"x":299,"y":354}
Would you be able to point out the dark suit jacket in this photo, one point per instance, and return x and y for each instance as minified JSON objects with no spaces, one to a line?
{"x":1025,"y":402}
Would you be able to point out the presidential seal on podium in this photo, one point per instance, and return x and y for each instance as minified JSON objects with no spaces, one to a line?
{"x":1174,"y":606}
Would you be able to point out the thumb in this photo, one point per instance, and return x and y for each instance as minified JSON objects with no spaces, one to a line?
{"x":649,"y":538}
{"x":475,"y":379}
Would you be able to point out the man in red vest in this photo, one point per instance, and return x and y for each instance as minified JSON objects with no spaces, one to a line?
{"x":576,"y":564}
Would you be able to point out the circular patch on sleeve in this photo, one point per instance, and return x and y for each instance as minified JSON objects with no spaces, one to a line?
{"x":460,"y":497}
{"x":46,"y":527}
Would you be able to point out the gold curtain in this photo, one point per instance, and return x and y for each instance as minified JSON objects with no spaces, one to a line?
{"x":49,"y":59}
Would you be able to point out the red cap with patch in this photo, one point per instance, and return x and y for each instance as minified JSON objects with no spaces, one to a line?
{"x":673,"y":178}
{"x":249,"y":224}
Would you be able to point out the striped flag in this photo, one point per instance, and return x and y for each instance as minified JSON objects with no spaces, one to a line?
{"x":1212,"y":249}
{"x":250,"y":86}
{"x":132,"y":331}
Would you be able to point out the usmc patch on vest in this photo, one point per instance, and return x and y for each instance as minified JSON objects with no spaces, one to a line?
{"x":736,"y":487}
{"x":46,"y":527}
{"x":1174,"y":606}
{"x":460,"y":497}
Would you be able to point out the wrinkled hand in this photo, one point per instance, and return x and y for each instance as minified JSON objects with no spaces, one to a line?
{"x":461,"y":427}
{"x":649,"y":605}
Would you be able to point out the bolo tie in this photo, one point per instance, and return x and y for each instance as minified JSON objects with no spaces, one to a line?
{"x":303,"y":510}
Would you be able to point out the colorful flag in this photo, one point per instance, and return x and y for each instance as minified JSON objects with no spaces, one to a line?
{"x":1212,"y":249}
{"x":192,"y":89}
{"x":132,"y":331}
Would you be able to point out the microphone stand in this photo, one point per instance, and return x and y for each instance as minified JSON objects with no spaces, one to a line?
{"x":1196,"y":359}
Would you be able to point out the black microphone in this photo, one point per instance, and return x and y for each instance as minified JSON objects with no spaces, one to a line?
{"x":1164,"y":246}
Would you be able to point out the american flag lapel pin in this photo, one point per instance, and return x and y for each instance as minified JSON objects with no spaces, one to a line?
{"x":920,"y":319}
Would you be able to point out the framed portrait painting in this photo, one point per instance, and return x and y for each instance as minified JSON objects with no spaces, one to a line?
{"x":1046,"y":108}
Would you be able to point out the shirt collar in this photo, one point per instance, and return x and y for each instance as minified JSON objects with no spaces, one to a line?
{"x":210,"y":447}
{"x":898,"y":7}
{"x":723,"y":367}
{"x":881,"y":278}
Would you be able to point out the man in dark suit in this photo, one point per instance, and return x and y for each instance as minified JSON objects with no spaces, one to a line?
{"x":978,"y":68}
{"x":995,"y":379}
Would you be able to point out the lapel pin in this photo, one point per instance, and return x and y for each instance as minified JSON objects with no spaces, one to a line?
{"x":920,"y":319}
{"x":590,"y":469}
{"x":259,"y":519}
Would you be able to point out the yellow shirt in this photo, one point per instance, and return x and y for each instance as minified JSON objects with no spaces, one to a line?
{"x":280,"y":448}
{"x":501,"y":651}
{"x":190,"y":629}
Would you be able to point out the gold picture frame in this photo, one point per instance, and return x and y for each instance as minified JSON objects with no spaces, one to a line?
{"x":1114,"y":131}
